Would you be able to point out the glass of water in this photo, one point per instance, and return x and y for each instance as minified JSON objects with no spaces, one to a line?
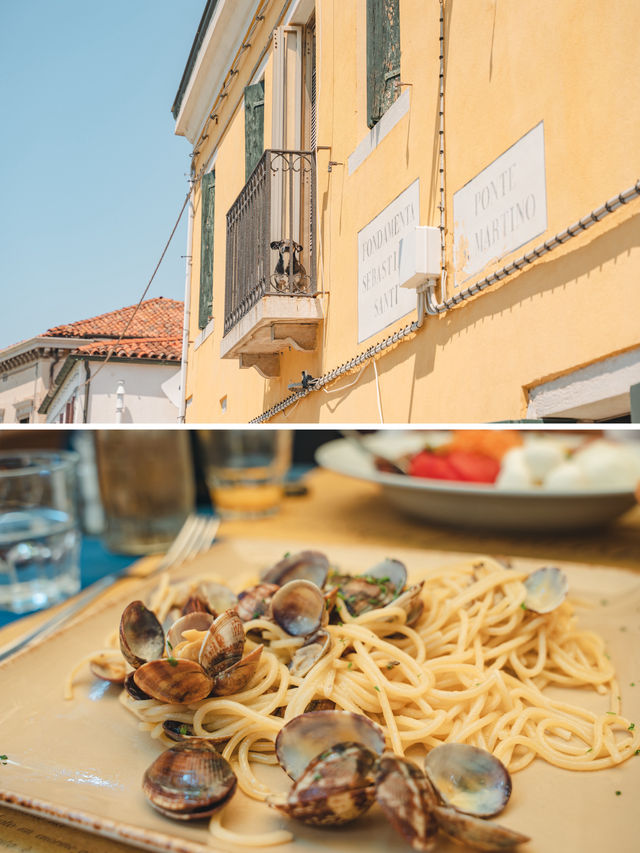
{"x":39,"y":534}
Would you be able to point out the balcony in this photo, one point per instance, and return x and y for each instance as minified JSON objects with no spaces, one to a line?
{"x":270,"y":284}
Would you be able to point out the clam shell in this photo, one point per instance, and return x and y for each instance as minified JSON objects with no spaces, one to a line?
{"x":179,"y":732}
{"x":217,"y":596}
{"x":394,"y":571}
{"x":305,"y":565}
{"x":141,"y":635}
{"x":546,"y":589}
{"x":307,"y":735}
{"x":468,"y":778}
{"x":173,"y":681}
{"x":308,"y":655}
{"x":238,"y":675}
{"x":478,"y":833}
{"x":406,"y":797}
{"x":132,"y":688}
{"x":254,"y":602}
{"x":189,"y":780}
{"x":336,"y":787}
{"x":104,"y":667}
{"x":298,"y":607}
{"x":197,"y":620}
{"x":223,"y":644}
{"x":411,"y":602}
{"x":195,"y":604}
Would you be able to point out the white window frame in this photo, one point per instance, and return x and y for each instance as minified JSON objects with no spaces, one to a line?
{"x":596,"y":392}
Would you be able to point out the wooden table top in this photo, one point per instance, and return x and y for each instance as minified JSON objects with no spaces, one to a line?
{"x":341,"y":510}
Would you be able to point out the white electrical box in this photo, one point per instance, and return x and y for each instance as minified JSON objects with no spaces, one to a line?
{"x":419,"y":256}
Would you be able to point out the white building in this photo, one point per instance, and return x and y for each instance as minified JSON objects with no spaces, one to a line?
{"x":118,"y":367}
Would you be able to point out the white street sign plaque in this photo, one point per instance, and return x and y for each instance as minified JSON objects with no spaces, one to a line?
{"x":381,"y":300}
{"x":502,"y":208}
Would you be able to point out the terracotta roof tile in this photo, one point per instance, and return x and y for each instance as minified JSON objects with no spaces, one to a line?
{"x":157,"y":318}
{"x":169,"y":349}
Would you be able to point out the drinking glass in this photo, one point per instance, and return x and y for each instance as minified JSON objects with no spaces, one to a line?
{"x":147,"y":487}
{"x":245,"y":469}
{"x":39,"y":532}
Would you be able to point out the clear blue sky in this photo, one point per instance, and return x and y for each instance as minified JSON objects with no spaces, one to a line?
{"x":92,"y":176}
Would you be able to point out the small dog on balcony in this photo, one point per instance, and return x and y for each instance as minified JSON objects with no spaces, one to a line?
{"x":293,"y":271}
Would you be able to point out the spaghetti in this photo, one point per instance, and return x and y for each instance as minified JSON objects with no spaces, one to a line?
{"x":475,"y":669}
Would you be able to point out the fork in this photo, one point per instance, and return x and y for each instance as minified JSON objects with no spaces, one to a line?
{"x":195,"y":536}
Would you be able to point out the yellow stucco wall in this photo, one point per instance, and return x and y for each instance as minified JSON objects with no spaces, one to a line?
{"x":508,"y":67}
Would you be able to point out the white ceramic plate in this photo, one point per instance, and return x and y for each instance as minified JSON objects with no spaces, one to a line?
{"x":470,"y":505}
{"x":80,"y":762}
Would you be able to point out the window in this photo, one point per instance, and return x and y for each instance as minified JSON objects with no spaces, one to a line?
{"x":383,"y":57}
{"x":208,"y":189}
{"x":24,"y":410}
{"x":253,"y":127}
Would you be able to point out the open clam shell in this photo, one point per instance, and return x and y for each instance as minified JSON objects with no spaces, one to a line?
{"x":411,"y":602}
{"x":195,"y":620}
{"x":107,"y":668}
{"x":238,"y":675}
{"x":305,"y":565}
{"x":475,"y":832}
{"x":298,"y":607}
{"x":307,"y":735}
{"x":254,"y":602}
{"x":406,"y":797}
{"x":336,"y":787}
{"x":174,"y":681}
{"x":468,"y":778}
{"x":141,"y":635}
{"x":223,"y":644}
{"x":546,"y":589}
{"x":308,"y":655}
{"x":217,"y":596}
{"x":391,"y":571}
{"x":189,"y":780}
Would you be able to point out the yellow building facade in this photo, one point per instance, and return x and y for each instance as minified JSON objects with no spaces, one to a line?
{"x":413,"y":211}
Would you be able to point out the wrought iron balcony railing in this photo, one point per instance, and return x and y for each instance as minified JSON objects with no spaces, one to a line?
{"x":270,"y":234}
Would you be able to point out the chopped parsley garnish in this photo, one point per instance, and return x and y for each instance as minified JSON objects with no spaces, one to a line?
{"x":317,"y":777}
{"x":350,"y":664}
{"x":3,"y":759}
{"x":256,"y":614}
{"x":613,"y":713}
{"x":183,"y":730}
{"x":618,"y":793}
{"x":287,"y":554}
{"x":632,"y":726}
{"x":523,"y":606}
{"x":637,"y":752}
{"x":375,"y":687}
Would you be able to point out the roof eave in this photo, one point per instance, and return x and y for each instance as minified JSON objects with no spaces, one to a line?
{"x":209,"y":61}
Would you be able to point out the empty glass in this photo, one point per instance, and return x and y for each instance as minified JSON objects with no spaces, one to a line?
{"x":147,"y":487}
{"x":245,"y":469}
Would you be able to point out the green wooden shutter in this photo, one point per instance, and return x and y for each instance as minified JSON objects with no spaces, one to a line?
{"x":208,"y":189}
{"x":383,"y":57}
{"x":253,"y":126}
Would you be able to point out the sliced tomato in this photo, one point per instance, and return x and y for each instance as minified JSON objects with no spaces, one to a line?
{"x":474,"y":467}
{"x":427,"y":464}
{"x":460,"y":465}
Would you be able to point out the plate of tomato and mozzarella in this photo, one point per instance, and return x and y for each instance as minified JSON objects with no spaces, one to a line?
{"x":497,"y":479}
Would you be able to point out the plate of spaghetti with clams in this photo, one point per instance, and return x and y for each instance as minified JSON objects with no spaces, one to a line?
{"x":345,"y":697}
